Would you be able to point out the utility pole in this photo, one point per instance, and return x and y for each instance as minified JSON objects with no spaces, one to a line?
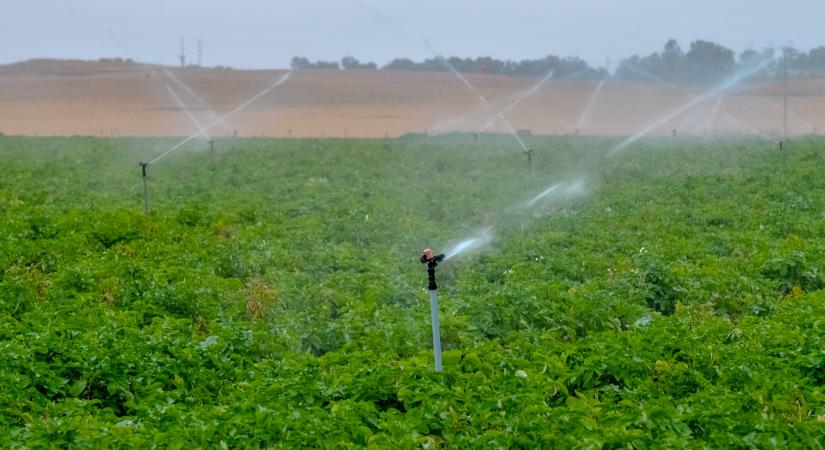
{"x":200,"y":53}
{"x":182,"y":54}
{"x":785,"y":91}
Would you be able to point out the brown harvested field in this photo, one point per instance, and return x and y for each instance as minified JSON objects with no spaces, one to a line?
{"x":91,"y":98}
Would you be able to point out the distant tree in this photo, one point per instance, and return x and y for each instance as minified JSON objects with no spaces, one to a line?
{"x":326,"y":65}
{"x":433,"y":64}
{"x":816,"y":59}
{"x":350,"y":63}
{"x":486,"y":64}
{"x":673,"y":62}
{"x":400,"y":64}
{"x":300,"y":63}
{"x":749,"y":57}
{"x":628,"y":69}
{"x":795,"y":60}
{"x":708,"y":62}
{"x":648,"y":69}
{"x":562,"y":67}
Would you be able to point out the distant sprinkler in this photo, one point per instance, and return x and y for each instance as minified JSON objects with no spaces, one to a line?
{"x":143,"y":167}
{"x":475,"y":137}
{"x":212,"y":145}
{"x":432,"y":289}
{"x":529,"y":153}
{"x":781,"y":145}
{"x":674,"y":132}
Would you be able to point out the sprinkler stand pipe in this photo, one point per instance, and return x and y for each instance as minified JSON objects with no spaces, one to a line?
{"x":143,"y":166}
{"x":529,"y":153}
{"x":432,"y":290}
{"x":436,"y":332}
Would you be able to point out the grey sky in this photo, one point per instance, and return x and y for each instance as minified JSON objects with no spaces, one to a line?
{"x":259,"y":33}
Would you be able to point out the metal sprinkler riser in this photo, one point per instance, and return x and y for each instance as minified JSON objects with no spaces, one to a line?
{"x":432,"y":289}
{"x":143,"y":166}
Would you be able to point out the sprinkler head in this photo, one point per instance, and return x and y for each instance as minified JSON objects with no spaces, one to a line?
{"x":431,"y":261}
{"x":143,"y":166}
{"x":427,"y":257}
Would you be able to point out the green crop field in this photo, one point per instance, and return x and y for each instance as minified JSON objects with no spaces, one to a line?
{"x":273,"y":295}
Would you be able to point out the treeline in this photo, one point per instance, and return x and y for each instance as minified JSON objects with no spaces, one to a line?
{"x":706,"y":62}
{"x":703,"y":62}
{"x":570,"y":67}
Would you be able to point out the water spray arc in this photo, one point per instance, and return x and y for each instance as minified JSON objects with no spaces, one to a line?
{"x":586,"y":112}
{"x":753,"y":130}
{"x":524,"y":96}
{"x":482,"y":239}
{"x":240,"y":107}
{"x":432,"y":290}
{"x":714,"y":111}
{"x":528,"y":151}
{"x":792,"y":115}
{"x":718,"y":90}
{"x":516,"y":100}
{"x":726,"y":116}
{"x":481,"y":98}
{"x":144,"y":166}
{"x":188,"y":113}
{"x":171,"y":75}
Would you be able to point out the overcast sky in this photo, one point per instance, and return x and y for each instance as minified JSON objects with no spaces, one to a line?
{"x":268,"y":33}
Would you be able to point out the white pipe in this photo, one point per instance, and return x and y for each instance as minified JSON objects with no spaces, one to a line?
{"x":436,"y":332}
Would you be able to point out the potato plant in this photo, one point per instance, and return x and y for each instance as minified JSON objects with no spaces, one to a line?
{"x":272,"y":298}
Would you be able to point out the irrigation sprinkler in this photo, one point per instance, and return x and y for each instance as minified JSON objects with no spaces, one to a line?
{"x":432,"y":289}
{"x":143,"y":166}
{"x":529,"y":153}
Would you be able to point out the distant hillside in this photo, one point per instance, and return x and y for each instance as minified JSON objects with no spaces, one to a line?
{"x":70,"y":67}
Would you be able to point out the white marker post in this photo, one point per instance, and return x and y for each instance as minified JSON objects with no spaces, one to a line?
{"x":432,"y":287}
